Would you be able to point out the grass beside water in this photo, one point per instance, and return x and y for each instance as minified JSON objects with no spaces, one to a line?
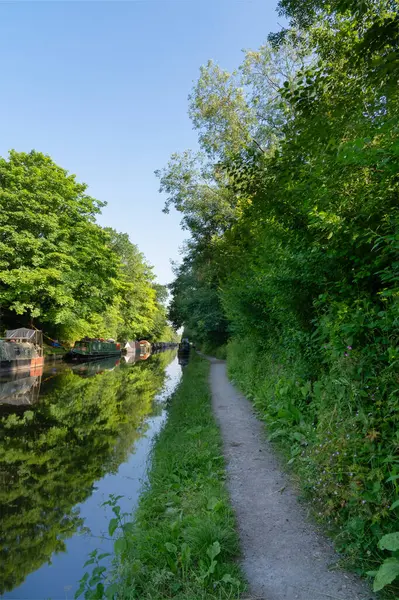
{"x":183,"y":543}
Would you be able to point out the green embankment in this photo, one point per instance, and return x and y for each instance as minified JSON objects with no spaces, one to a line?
{"x":341,"y":452}
{"x":183,"y":542}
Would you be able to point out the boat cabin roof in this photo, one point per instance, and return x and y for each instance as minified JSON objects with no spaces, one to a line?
{"x":22,"y":334}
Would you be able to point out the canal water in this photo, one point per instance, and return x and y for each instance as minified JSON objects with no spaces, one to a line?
{"x":69,"y":438}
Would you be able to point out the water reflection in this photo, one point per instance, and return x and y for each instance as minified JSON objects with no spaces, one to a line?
{"x":21,"y":390}
{"x":183,"y":360}
{"x":54,"y":447}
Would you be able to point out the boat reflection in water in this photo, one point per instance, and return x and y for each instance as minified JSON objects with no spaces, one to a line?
{"x":21,"y":389}
{"x":183,"y":352}
{"x":184,"y":360}
{"x":91,"y":368}
{"x":129,"y":359}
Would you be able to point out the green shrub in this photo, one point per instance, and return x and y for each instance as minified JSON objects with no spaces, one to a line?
{"x":340,"y":436}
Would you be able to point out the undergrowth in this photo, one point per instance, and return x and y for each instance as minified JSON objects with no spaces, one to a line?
{"x":339,"y":436}
{"x":183,"y":542}
{"x":218,"y":351}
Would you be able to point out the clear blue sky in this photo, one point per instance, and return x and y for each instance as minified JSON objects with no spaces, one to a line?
{"x":102,"y":87}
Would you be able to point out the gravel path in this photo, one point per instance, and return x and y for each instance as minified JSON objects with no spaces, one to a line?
{"x":284,"y":557}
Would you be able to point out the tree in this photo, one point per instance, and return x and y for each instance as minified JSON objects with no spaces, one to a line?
{"x":55,"y":262}
{"x":137,"y":298}
{"x":58,"y":268}
{"x":305,"y":12}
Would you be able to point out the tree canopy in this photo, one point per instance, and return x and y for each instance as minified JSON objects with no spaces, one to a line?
{"x":58,"y":268}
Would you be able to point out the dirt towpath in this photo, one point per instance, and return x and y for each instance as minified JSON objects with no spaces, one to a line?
{"x":284,"y":557}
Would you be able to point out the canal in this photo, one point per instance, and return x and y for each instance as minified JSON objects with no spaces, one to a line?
{"x":69,"y":438}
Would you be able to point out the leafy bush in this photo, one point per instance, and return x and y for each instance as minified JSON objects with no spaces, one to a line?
{"x":339,"y":440}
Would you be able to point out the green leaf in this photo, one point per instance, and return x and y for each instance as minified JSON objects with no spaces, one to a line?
{"x":80,"y":591}
{"x":128,"y":527}
{"x":392,"y":478}
{"x":104,"y":555}
{"x":98,"y":571}
{"x":111,"y":591}
{"x":212,"y":567}
{"x":394,"y":505}
{"x":171,"y":548}
{"x":227,"y":578}
{"x":91,"y":561}
{"x":389,"y":542}
{"x":212,"y":503}
{"x":120,"y":545}
{"x":388,"y":571}
{"x":213,"y":550}
{"x":113,"y":525}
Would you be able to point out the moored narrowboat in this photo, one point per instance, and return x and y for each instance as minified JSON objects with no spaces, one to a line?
{"x":184,"y":347}
{"x":145,"y":349}
{"x":22,"y":350}
{"x":93,"y":349}
{"x":131,"y":347}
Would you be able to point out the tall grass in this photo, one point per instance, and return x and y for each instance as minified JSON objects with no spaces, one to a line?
{"x":183,"y":542}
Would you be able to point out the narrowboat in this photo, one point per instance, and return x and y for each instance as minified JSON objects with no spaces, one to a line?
{"x":145,"y":349}
{"x":184,"y":348}
{"x":131,"y":347}
{"x":93,"y":349}
{"x":22,"y":350}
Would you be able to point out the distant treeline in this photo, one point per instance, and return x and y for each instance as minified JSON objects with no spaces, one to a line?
{"x":292,"y":206}
{"x":61,"y":271}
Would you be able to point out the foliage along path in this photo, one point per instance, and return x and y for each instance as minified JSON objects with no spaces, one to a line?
{"x":284,"y":558}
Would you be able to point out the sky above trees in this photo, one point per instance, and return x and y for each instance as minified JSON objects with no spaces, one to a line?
{"x":102,"y":88}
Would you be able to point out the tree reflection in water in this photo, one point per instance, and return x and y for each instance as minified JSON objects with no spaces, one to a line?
{"x":84,"y":426}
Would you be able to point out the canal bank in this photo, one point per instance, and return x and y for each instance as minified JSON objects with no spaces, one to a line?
{"x":182,"y":543}
{"x":63,"y":451}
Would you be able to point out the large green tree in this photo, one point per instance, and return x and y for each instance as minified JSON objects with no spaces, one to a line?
{"x":59,"y":270}
{"x":139,"y":299}
{"x":56,"y":264}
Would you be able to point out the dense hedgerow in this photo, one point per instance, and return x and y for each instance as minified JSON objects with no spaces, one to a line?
{"x":295,"y":225}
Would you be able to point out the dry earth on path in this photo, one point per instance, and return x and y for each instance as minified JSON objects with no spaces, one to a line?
{"x":284,"y":556}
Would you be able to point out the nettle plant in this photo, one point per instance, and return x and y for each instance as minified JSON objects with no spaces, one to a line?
{"x":389,"y":570}
{"x":95,"y":585}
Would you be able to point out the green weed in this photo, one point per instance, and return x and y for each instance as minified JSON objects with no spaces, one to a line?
{"x":182,"y":543}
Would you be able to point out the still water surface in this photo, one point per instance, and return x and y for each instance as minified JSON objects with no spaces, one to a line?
{"x":69,"y":439}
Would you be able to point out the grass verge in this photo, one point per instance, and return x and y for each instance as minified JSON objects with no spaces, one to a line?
{"x":183,"y":543}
